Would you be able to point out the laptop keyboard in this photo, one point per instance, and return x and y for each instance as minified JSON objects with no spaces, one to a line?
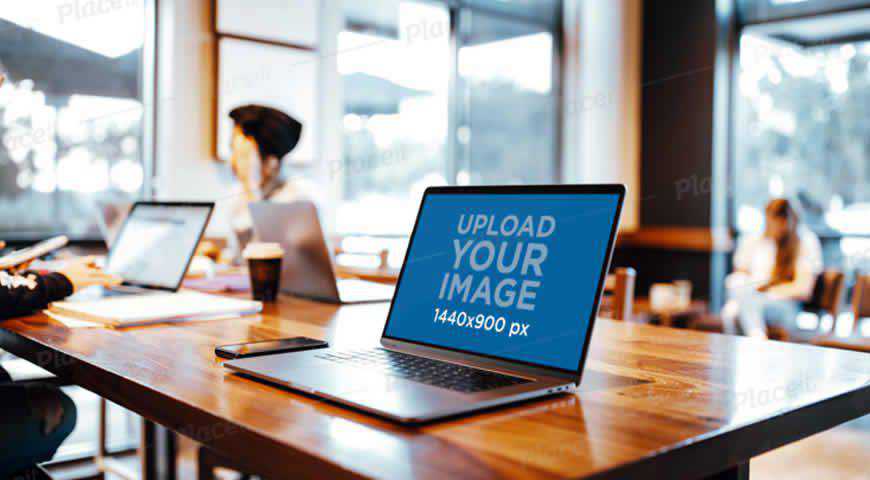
{"x":436,"y":373}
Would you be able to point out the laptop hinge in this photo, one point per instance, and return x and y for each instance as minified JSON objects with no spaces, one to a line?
{"x":476,"y":360}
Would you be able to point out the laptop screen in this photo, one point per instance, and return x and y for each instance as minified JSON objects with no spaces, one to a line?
{"x":156,"y":243}
{"x":507,"y":275}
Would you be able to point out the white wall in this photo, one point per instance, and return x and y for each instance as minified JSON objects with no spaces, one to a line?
{"x":184,"y":133}
{"x":602,"y":96}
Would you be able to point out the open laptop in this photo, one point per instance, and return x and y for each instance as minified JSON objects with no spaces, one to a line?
{"x":152,"y":253}
{"x":154,"y":247}
{"x":307,"y":269}
{"x":495,"y":304}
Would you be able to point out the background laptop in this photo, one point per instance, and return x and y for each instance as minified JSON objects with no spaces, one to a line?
{"x":152,"y":253}
{"x":471,"y":327}
{"x":307,"y":269}
{"x":154,"y":247}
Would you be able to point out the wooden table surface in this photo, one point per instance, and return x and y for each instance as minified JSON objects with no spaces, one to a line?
{"x":655,"y":402}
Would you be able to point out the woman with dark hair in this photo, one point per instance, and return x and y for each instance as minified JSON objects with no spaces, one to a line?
{"x":262,"y":137}
{"x":773,"y":272}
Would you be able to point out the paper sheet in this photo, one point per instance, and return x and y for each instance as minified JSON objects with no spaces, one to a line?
{"x":70,"y":322}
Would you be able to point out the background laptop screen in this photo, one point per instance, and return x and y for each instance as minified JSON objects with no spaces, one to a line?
{"x":156,"y":243}
{"x":512,"y":276}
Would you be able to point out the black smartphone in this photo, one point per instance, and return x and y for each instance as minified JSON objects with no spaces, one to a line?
{"x":268,"y":347}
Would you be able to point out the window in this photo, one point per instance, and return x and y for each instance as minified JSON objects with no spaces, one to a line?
{"x":395,"y":73}
{"x":803,"y":131}
{"x":71,"y":114}
{"x":507,"y":130}
{"x":439,"y":93}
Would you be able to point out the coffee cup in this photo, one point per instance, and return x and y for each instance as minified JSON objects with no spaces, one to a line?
{"x":264,"y":266}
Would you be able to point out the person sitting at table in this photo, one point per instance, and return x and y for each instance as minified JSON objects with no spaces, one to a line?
{"x":37,"y":418}
{"x":262,"y":137}
{"x":774,"y":273}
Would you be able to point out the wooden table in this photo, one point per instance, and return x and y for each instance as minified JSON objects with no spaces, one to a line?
{"x":655,"y":402}
{"x":854,"y":342}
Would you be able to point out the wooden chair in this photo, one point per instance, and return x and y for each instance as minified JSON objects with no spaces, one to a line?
{"x":860,"y":309}
{"x":827,"y":294}
{"x":826,"y":299}
{"x":860,"y":300}
{"x":617,"y":302}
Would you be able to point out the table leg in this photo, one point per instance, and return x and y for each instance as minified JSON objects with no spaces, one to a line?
{"x":737,"y":472}
{"x":158,"y":452}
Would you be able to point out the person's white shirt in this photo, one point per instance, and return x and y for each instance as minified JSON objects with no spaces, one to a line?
{"x":755,"y":258}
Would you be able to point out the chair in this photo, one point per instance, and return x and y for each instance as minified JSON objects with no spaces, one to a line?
{"x":827,"y":294}
{"x":35,"y":473}
{"x":860,"y":309}
{"x":617,"y":302}
{"x":826,"y":299}
{"x":25,"y":372}
{"x":860,"y":300}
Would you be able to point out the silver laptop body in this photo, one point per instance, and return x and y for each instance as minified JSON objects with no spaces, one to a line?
{"x":307,"y":268}
{"x":148,"y":256}
{"x":317,"y":372}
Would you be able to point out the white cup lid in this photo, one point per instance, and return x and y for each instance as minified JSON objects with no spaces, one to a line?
{"x":261,"y":251}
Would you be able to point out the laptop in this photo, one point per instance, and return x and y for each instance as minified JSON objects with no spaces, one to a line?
{"x":495,"y":304}
{"x":307,"y":268}
{"x":153,"y":248}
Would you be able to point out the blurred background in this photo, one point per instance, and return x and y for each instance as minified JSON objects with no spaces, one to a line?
{"x":705,"y":110}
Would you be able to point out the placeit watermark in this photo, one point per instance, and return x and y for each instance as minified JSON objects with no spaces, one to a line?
{"x":595,"y":101}
{"x":358,"y":166}
{"x":76,"y":10}
{"x":764,"y":396}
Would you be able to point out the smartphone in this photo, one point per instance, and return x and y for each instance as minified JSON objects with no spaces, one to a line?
{"x":33,"y":252}
{"x":268,"y":347}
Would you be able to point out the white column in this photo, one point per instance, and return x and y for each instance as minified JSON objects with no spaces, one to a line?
{"x":184,"y":134}
{"x":602,"y":108}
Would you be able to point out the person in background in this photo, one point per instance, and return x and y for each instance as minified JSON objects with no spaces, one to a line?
{"x":262,"y":137}
{"x":773,"y":273}
{"x":37,"y":418}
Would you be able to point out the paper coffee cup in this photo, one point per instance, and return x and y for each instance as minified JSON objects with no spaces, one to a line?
{"x":263,"y":251}
{"x":264,"y":265}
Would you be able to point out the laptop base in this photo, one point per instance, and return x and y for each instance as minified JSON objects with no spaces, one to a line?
{"x":397,"y":399}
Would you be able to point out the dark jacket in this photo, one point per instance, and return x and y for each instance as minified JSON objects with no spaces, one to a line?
{"x":23,"y":294}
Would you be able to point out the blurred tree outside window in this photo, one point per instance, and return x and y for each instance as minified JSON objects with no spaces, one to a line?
{"x":71,"y":113}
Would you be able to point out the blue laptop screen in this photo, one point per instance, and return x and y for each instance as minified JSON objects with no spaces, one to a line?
{"x":512,"y":276}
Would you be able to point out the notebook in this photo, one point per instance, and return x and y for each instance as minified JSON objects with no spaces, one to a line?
{"x":135,"y":310}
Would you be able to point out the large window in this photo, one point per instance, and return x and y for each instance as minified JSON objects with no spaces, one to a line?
{"x":439,"y":93}
{"x":71,"y":114}
{"x":507,"y":131}
{"x":803,"y":131}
